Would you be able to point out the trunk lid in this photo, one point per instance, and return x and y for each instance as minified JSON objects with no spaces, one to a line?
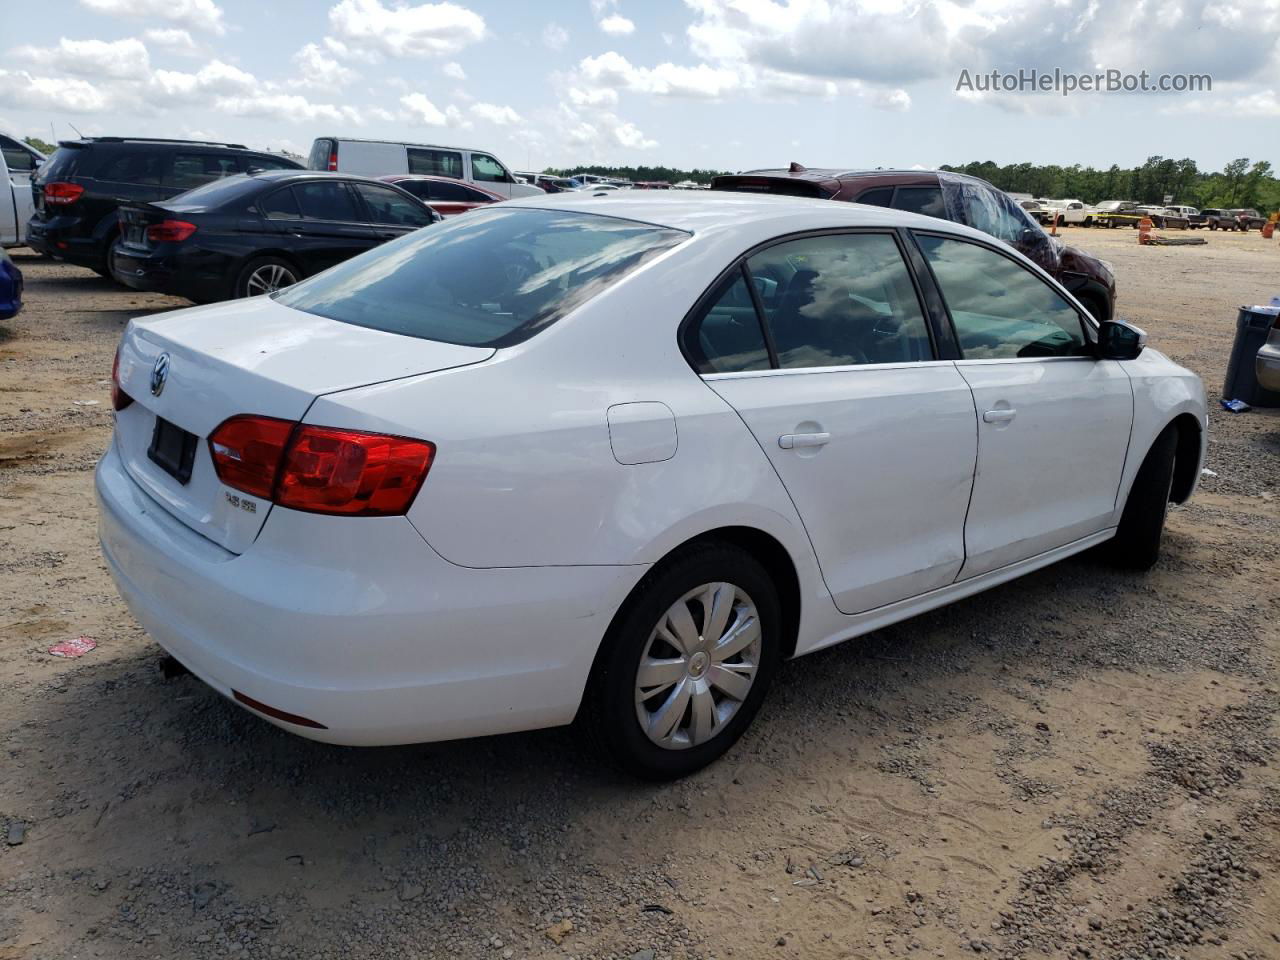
{"x":134,"y":220}
{"x":246,"y":356}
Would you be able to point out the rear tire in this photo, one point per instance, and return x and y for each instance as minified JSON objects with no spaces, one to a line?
{"x":1137,"y":541}
{"x":703,"y":718}
{"x":265,"y":275}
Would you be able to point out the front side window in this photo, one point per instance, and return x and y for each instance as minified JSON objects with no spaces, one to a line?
{"x":326,"y":200}
{"x":492,"y":278}
{"x":925,"y":200}
{"x":387,"y":206}
{"x":1000,"y":309}
{"x":727,"y":337}
{"x":191,"y":170}
{"x":435,"y":163}
{"x":485,"y":169}
{"x":840,"y":300}
{"x":17,"y":157}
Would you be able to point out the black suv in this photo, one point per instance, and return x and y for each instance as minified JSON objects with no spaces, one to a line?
{"x":79,"y":188}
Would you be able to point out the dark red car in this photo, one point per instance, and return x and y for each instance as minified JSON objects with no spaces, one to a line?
{"x":444,"y":195}
{"x":948,"y":196}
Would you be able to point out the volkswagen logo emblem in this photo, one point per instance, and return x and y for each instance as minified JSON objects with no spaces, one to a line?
{"x":159,"y":374}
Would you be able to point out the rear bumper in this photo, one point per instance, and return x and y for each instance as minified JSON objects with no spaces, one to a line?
{"x":61,"y":242}
{"x":356,"y":624}
{"x":170,"y":273}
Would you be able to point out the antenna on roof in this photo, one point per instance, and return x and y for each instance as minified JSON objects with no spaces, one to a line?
{"x":795,"y":168}
{"x":74,"y":127}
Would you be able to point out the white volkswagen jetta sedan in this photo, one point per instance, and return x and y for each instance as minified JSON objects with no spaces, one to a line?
{"x":615,"y":458}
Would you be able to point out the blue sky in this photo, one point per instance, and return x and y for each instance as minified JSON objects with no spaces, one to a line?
{"x":729,"y":84}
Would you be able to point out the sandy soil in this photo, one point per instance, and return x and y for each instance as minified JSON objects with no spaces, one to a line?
{"x":1081,"y":763}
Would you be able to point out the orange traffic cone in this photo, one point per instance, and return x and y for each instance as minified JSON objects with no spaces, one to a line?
{"x":1144,"y":230}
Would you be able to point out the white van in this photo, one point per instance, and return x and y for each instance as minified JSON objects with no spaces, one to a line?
{"x":381,"y":158}
{"x":18,"y":162}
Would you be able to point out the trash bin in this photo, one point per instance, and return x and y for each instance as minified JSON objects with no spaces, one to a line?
{"x":1253,"y":324}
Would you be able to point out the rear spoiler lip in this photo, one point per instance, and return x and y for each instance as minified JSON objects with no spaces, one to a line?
{"x":822,"y":189}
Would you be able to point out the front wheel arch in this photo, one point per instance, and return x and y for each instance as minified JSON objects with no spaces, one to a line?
{"x":1186,"y":465}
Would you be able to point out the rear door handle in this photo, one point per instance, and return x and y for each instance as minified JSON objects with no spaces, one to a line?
{"x":999,"y":416}
{"x":790,"y":441}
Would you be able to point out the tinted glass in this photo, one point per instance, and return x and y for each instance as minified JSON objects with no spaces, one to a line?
{"x":215,"y":193}
{"x":387,"y":206}
{"x":727,"y":337}
{"x":16,"y":157}
{"x":839,"y":300}
{"x":136,"y":166}
{"x":880,"y":197}
{"x":485,"y":169}
{"x":449,"y":192}
{"x":319,"y":158}
{"x":259,"y":162}
{"x":491,"y":278}
{"x":322,"y":200}
{"x":281,"y":205}
{"x":191,"y":170}
{"x":475,"y":196}
{"x":63,"y":163}
{"x":436,"y":163}
{"x":1001,"y":309}
{"x":926,"y":200}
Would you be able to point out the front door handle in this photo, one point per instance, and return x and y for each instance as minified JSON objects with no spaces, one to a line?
{"x":999,"y":416}
{"x":790,"y":441}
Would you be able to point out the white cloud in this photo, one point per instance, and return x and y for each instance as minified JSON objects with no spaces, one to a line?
{"x":617,"y":26}
{"x":665,"y":80}
{"x":214,"y":78}
{"x":318,"y":69}
{"x":420,"y":110}
{"x":502,"y":116}
{"x":290,"y":107}
{"x":1260,"y":103}
{"x":898,"y":100}
{"x":629,"y":135}
{"x":174,"y":40}
{"x":194,"y":14}
{"x":454,"y":70}
{"x":554,"y":36}
{"x":69,"y":94}
{"x":424,"y":30}
{"x":595,"y":97}
{"x":119,"y":59}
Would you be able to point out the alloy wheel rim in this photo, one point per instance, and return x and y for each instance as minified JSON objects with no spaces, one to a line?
{"x":698,"y":666}
{"x":269,"y":278}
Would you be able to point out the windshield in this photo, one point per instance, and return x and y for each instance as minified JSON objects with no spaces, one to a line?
{"x":489,"y":279}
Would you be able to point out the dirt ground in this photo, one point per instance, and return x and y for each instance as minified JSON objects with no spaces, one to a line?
{"x":1080,"y":763}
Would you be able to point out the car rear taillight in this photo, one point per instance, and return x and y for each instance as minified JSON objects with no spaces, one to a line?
{"x":333,"y":157}
{"x":170,"y":231}
{"x":246,"y":452}
{"x":320,"y":469}
{"x":119,"y":399}
{"x":62,"y":193}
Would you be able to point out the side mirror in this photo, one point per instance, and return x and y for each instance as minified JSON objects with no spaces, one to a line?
{"x":1120,"y":341}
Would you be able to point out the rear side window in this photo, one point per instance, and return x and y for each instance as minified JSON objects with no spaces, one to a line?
{"x":281,"y":205}
{"x":840,"y":300}
{"x":492,"y":278}
{"x":137,"y":166}
{"x":191,"y":170}
{"x":253,"y":162}
{"x":326,"y":200}
{"x":926,"y":200}
{"x":879,"y":197}
{"x":727,"y":337}
{"x":449,"y":192}
{"x":435,"y":163}
{"x":62,"y":164}
{"x":387,"y":206}
{"x":1000,"y":309}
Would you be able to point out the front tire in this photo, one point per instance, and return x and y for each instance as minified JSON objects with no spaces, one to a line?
{"x":686,"y":663}
{"x":1137,"y":541}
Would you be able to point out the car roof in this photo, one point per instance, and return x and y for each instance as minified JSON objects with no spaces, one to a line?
{"x":154,"y":142}
{"x":837,"y":173}
{"x":726,"y":212}
{"x":408,"y":143}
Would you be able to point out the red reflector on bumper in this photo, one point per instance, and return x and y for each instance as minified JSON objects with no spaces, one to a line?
{"x":278,"y":714}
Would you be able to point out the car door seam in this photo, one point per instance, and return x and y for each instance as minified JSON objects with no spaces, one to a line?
{"x":973,"y":480}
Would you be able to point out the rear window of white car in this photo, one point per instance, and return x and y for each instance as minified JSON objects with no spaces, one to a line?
{"x":490,"y":278}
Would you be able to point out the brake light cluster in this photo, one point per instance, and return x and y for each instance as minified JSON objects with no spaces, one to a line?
{"x":119,"y":399}
{"x":320,"y":469}
{"x":333,"y":157}
{"x":60,"y":194}
{"x":170,"y":231}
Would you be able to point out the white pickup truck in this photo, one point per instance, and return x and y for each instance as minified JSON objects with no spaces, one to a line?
{"x":18,"y":162}
{"x":1071,"y":211}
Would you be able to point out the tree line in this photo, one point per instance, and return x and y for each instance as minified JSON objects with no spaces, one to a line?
{"x":640,"y":174}
{"x":1240,"y":183}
